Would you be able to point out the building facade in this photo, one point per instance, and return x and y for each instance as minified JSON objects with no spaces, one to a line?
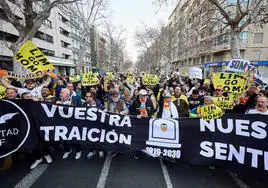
{"x":195,"y":44}
{"x":53,"y":39}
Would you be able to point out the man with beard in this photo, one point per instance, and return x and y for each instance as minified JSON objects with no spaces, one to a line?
{"x":46,"y":97}
{"x":261,"y":107}
{"x":180,"y":102}
{"x":142,"y":107}
{"x":116,"y":105}
{"x":166,"y":108}
{"x":30,"y":86}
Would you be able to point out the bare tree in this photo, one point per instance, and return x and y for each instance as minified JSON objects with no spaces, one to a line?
{"x":229,"y":17}
{"x":116,"y":45}
{"x":90,"y":14}
{"x":156,"y":43}
{"x":237,"y":16}
{"x":31,"y":20}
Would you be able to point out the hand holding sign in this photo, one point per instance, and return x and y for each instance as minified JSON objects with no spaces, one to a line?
{"x":33,"y":59}
{"x":209,"y":112}
{"x":90,"y":79}
{"x":229,"y":82}
{"x":150,"y":79}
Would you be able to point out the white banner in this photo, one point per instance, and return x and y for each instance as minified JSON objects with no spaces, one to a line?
{"x":195,"y":72}
{"x":238,"y":65}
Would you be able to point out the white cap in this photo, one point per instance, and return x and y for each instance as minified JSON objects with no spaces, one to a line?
{"x":143,"y":92}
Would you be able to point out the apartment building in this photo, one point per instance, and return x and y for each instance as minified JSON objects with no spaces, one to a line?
{"x":102,"y":52}
{"x":77,"y":39}
{"x":53,"y":38}
{"x":194,"y":44}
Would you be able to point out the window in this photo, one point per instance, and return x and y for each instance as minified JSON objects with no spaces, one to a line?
{"x":243,"y":36}
{"x":66,"y":56}
{"x":63,"y":19}
{"x":8,"y":37}
{"x":65,"y":44}
{"x":47,"y":23}
{"x":45,"y":37}
{"x":258,"y":37}
{"x":64,"y":32}
{"x":47,"y":52}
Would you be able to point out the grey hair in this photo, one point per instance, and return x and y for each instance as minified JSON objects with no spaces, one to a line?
{"x":66,"y":90}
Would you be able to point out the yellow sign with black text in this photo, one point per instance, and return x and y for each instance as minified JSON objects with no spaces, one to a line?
{"x":131,"y":79}
{"x":150,"y":80}
{"x":225,"y":102}
{"x":33,"y":59}
{"x":209,"y":112}
{"x":229,"y":82}
{"x":74,"y":78}
{"x":90,"y":79}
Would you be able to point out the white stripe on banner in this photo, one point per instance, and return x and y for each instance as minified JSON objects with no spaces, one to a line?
{"x":166,"y":175}
{"x":32,"y":176}
{"x":105,"y":171}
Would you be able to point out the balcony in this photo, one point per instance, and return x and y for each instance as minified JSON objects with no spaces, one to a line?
{"x":60,"y":61}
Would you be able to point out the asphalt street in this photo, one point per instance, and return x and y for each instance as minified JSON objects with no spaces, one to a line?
{"x":121,"y":171}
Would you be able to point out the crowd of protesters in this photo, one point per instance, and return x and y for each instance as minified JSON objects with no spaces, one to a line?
{"x":173,"y":97}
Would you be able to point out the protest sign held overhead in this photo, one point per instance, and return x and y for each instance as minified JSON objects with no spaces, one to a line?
{"x":33,"y":59}
{"x":75,"y":78}
{"x":195,"y":72}
{"x":131,"y":79}
{"x":238,"y":65}
{"x":229,"y":82}
{"x":150,"y":79}
{"x":225,"y":102}
{"x":209,"y":112}
{"x":90,"y":79}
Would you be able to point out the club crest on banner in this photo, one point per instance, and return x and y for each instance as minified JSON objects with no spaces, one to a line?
{"x":164,"y":133}
{"x":12,"y":133}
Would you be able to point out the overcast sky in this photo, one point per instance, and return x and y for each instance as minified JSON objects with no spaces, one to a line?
{"x":132,"y":13}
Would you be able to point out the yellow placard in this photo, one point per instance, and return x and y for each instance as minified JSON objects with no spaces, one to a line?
{"x":2,"y":92}
{"x":109,"y":76}
{"x":150,"y":79}
{"x":225,"y":102}
{"x":33,"y":59}
{"x":209,"y":112}
{"x":90,"y":79}
{"x":74,"y":78}
{"x":131,"y":79}
{"x":229,"y":82}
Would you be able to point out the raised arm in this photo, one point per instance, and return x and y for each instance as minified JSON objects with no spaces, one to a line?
{"x":6,"y":84}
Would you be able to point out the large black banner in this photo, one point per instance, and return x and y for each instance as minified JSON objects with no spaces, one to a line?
{"x":234,"y":142}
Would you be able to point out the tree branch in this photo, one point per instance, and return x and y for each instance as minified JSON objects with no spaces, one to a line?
{"x":11,"y":16}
